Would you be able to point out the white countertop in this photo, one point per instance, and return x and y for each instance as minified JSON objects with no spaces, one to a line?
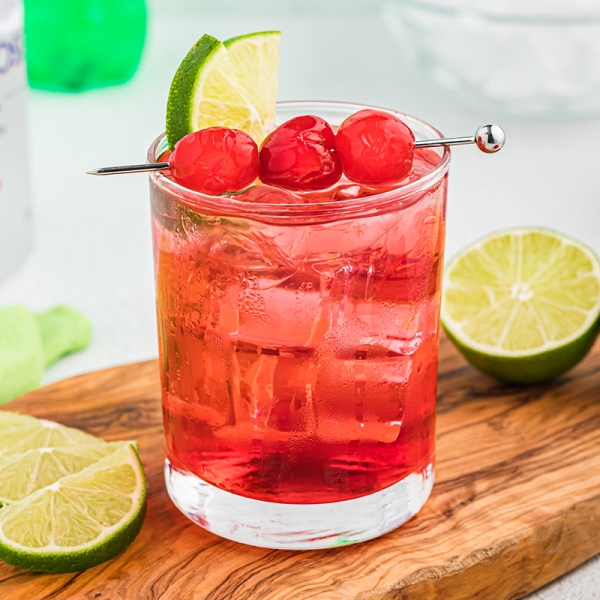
{"x":93,"y":243}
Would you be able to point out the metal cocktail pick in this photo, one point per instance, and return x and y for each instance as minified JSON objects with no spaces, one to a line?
{"x":488,"y":138}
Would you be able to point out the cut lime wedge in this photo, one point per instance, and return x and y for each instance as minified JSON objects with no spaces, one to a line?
{"x":523,"y":305}
{"x":25,"y":473}
{"x":227,"y":85}
{"x":78,"y":521}
{"x":20,"y":433}
{"x":205,"y":92}
{"x":255,"y":58}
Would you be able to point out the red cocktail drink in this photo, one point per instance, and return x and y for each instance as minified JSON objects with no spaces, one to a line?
{"x":298,"y":347}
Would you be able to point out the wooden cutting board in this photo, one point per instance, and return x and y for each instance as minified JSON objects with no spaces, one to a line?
{"x":516,"y":502}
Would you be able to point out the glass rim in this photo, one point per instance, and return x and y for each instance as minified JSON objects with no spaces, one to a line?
{"x":401,"y":197}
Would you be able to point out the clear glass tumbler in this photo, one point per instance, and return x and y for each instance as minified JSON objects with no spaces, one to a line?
{"x":298,"y":354}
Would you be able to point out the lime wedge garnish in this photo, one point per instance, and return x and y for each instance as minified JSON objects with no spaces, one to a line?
{"x":256,"y":60}
{"x":523,"y":305}
{"x":25,"y":473}
{"x":210,"y":89}
{"x":78,"y":521}
{"x":20,"y":433}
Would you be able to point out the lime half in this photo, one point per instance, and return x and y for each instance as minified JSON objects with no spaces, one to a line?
{"x":207,"y":92}
{"x":78,"y":521}
{"x":523,"y":305}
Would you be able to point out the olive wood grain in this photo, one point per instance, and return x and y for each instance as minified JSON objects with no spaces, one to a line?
{"x":516,"y":502}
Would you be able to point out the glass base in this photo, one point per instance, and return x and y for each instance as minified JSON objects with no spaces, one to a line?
{"x":297,"y":526}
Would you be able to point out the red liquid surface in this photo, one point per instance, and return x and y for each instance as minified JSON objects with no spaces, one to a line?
{"x":299,"y":363}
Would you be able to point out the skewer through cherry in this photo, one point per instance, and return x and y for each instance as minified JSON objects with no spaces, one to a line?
{"x":371,"y":147}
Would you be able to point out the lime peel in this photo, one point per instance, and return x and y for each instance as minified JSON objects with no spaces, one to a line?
{"x":179,"y":106}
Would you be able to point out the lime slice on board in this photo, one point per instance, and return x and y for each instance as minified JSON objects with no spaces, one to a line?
{"x":20,"y":433}
{"x":210,"y":89}
{"x":80,"y":520}
{"x":25,"y":473}
{"x":255,"y":58}
{"x":523,"y":305}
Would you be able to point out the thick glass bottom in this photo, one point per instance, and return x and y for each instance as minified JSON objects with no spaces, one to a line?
{"x":297,"y":526}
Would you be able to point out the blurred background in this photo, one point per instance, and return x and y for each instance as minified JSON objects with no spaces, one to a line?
{"x":454,"y":65}
{"x":536,"y":73}
{"x":531,"y":66}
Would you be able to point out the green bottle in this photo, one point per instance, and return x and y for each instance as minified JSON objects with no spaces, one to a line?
{"x":76,"y":45}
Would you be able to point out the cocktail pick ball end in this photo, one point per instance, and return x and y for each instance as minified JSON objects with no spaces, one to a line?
{"x":490,"y":138}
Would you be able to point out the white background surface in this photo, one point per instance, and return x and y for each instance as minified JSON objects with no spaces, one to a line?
{"x":93,"y":243}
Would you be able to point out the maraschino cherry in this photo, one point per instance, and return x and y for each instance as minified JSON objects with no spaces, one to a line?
{"x":215,"y":160}
{"x":300,"y":155}
{"x":376,"y":148}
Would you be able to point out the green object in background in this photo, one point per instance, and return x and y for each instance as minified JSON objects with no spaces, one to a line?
{"x":21,"y":352}
{"x":76,"y":45}
{"x":63,"y":330}
{"x":30,"y":342}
